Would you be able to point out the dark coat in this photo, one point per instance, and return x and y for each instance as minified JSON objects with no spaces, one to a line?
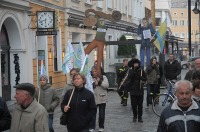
{"x":133,"y":81}
{"x":173,"y":119}
{"x":171,"y":71}
{"x":5,"y":117}
{"x":121,"y":72}
{"x":82,"y":108}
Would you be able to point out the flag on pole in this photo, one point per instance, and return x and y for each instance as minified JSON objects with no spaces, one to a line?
{"x":69,"y":54}
{"x":79,"y":56}
{"x":160,"y":37}
{"x":85,"y":66}
{"x":86,"y":70}
{"x":42,"y":69}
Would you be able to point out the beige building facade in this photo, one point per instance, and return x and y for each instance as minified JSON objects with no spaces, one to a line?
{"x":179,"y":29}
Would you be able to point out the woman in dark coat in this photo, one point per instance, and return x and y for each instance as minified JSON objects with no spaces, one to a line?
{"x":82,"y":107}
{"x":135,"y":82}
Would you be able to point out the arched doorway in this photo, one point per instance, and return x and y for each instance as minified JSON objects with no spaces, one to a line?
{"x":5,"y":64}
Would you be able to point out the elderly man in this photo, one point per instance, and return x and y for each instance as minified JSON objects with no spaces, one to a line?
{"x":28,"y":115}
{"x":194,"y":72}
{"x":184,"y":114}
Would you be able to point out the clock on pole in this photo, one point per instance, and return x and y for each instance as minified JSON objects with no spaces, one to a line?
{"x":46,"y":19}
{"x":45,"y":23}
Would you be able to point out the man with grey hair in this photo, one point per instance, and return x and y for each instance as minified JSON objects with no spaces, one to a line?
{"x":28,"y":115}
{"x":184,"y":114}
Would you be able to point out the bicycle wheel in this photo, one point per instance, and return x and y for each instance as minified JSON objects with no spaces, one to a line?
{"x":161,"y":102}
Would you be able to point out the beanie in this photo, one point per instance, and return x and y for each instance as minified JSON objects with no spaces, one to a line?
{"x":45,"y":77}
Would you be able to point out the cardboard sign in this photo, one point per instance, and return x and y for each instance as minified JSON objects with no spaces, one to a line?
{"x":147,"y":34}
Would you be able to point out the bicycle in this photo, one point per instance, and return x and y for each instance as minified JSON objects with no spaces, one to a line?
{"x":163,"y":100}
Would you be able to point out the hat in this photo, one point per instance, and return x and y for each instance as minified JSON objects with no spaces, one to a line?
{"x":45,"y":77}
{"x":27,"y":87}
{"x":135,"y":61}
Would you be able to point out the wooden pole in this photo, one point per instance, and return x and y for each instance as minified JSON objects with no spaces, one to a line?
{"x":153,"y":13}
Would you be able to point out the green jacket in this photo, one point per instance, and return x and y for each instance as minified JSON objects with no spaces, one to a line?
{"x":32,"y":119}
{"x":153,"y":74}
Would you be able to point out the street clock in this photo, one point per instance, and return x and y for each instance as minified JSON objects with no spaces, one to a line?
{"x":45,"y":19}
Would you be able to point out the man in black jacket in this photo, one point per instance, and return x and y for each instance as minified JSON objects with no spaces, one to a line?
{"x":184,"y":114}
{"x":5,"y":117}
{"x":172,"y":68}
{"x":122,"y":91}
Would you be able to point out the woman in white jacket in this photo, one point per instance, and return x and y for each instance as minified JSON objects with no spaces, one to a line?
{"x":100,"y":86}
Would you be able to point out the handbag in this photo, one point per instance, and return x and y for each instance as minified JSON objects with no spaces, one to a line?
{"x":63,"y":119}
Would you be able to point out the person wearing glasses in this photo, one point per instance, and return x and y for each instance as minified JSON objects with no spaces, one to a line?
{"x":70,"y":85}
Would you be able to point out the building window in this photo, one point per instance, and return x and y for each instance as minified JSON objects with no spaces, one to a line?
{"x":57,"y":51}
{"x":116,"y":4}
{"x":99,"y":4}
{"x":109,"y":4}
{"x":175,"y":13}
{"x":181,"y":22}
{"x":129,"y":8}
{"x":123,"y":6}
{"x":176,"y":34}
{"x":158,"y":21}
{"x":174,"y":22}
{"x":182,"y":13}
{"x":182,"y":35}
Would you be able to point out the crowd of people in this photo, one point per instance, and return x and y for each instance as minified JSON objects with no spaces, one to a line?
{"x":35,"y":107}
{"x":34,"y":110}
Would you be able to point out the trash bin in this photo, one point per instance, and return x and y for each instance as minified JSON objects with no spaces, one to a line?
{"x":111,"y":78}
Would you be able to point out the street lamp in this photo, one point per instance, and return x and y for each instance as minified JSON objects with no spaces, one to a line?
{"x":196,"y":10}
{"x":189,"y":27}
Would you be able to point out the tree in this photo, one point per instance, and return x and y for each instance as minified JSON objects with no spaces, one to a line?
{"x":126,"y":50}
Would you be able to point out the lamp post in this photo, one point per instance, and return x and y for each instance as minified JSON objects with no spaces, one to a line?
{"x":189,"y":27}
{"x":197,"y":11}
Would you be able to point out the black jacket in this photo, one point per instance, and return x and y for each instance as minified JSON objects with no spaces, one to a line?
{"x":173,"y":119}
{"x":133,"y":81}
{"x":5,"y":117}
{"x":171,"y":71}
{"x":82,"y":108}
{"x":121,"y":72}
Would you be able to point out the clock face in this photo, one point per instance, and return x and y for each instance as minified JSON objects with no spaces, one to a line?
{"x":45,"y":19}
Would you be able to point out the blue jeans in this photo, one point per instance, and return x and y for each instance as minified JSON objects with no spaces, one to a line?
{"x":102,"y":109}
{"x":148,"y":55}
{"x":51,"y":123}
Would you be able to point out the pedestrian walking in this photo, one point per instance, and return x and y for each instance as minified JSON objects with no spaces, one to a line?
{"x":146,"y":30}
{"x":122,"y":91}
{"x":135,"y":82}
{"x":48,"y":98}
{"x":153,"y":74}
{"x":70,"y":85}
{"x":28,"y":115}
{"x":5,"y":117}
{"x":196,"y":91}
{"x":82,"y":107}
{"x":172,"y":68}
{"x":183,"y":114}
{"x":100,"y":87}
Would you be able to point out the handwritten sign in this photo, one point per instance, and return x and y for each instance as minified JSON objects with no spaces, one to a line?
{"x":147,"y":34}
